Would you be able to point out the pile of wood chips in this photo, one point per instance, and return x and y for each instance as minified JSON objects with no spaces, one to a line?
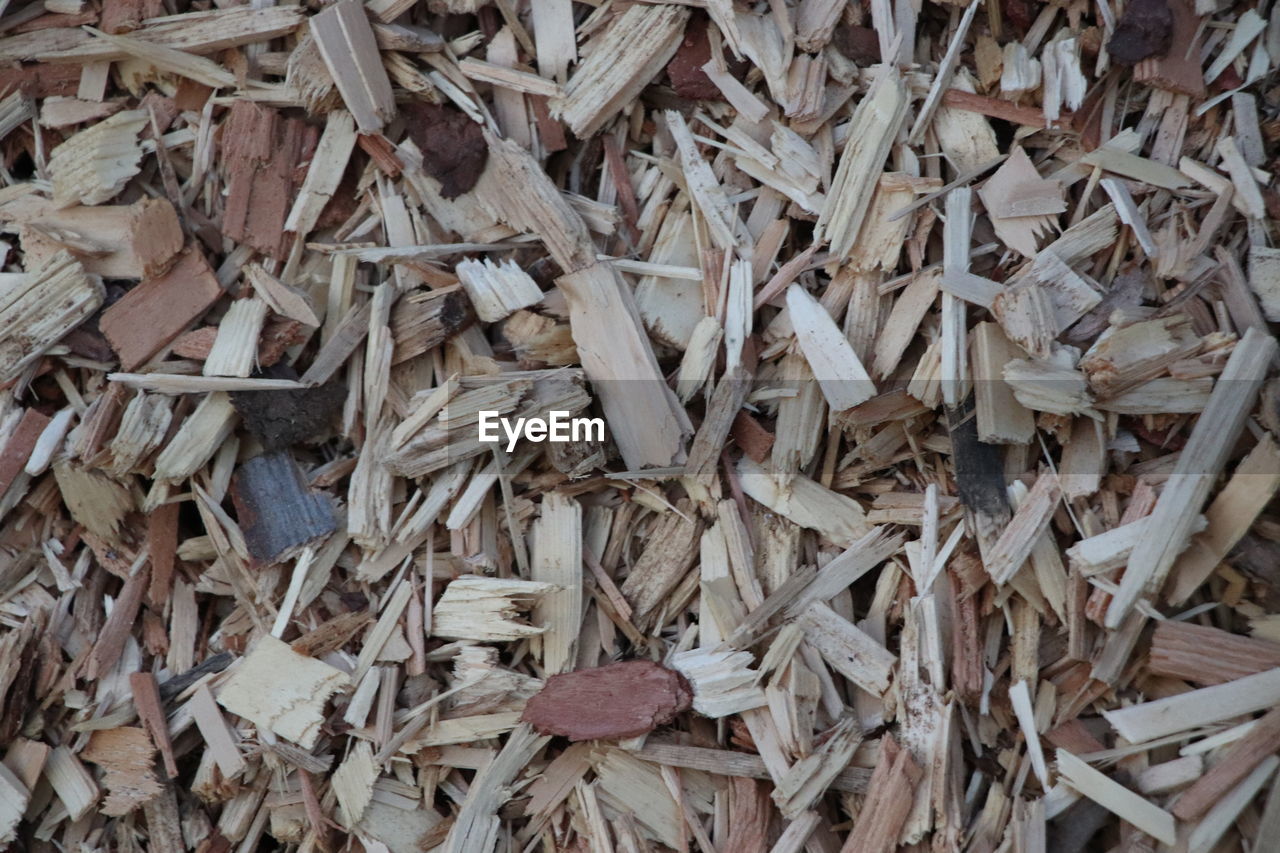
{"x":931,"y":343}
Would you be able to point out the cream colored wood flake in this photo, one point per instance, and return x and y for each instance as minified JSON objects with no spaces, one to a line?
{"x":346,"y":42}
{"x":557,"y":559}
{"x":619,"y":64}
{"x":95,"y":164}
{"x":353,"y":783}
{"x":282,"y":691}
{"x":71,"y":782}
{"x":835,"y":365}
{"x":837,"y":517}
{"x":485,"y":609}
{"x":1116,"y":798}
{"x":497,"y":290}
{"x":851,"y":652}
{"x":723,"y":681}
{"x":14,"y":797}
{"x":37,"y":309}
{"x":235,"y":350}
{"x":874,"y":126}
{"x":199,"y":437}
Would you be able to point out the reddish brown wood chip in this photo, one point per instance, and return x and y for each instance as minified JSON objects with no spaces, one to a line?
{"x":17,"y":450}
{"x":620,"y":700}
{"x":453,"y":148}
{"x":155,"y":312}
{"x":685,"y":68}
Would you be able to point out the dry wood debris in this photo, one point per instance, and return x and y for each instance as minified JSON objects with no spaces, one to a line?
{"x":929,"y":343}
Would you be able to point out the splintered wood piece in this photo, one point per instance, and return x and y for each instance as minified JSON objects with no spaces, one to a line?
{"x":94,"y":499}
{"x":260,"y":154}
{"x":672,"y":547}
{"x":723,"y":681}
{"x":218,"y":735}
{"x":889,"y":796}
{"x":1203,"y":655}
{"x":71,"y":782}
{"x":851,"y":652}
{"x":539,"y":208}
{"x":475,"y":829}
{"x":1229,"y":517}
{"x":644,"y":417}
{"x":1173,"y":714}
{"x":199,"y":437}
{"x":1011,"y":550}
{"x":1198,"y":466}
{"x":1260,"y":744}
{"x":43,"y":306}
{"x":281,"y":298}
{"x":333,"y":152}
{"x":621,"y":700}
{"x":1116,"y":798}
{"x":809,"y":778}
{"x":835,"y":365}
{"x":837,"y":517}
{"x":14,"y":796}
{"x":150,"y":316}
{"x":146,"y":698}
{"x":278,"y":513}
{"x":95,"y":164}
{"x":556,"y":558}
{"x":19,"y":446}
{"x":484,"y":609}
{"x":198,"y":32}
{"x":497,"y":290}
{"x":134,"y":241}
{"x":621,"y":62}
{"x":346,"y":42}
{"x":126,"y":755}
{"x":1022,"y":205}
{"x":236,"y":348}
{"x":719,"y":215}
{"x":282,"y":691}
{"x":1001,"y":418}
{"x":873,"y":129}
{"x":353,"y":783}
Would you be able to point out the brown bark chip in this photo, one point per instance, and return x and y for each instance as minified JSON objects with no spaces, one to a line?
{"x":611,"y":702}
{"x":453,"y":147}
{"x":1145,"y":29}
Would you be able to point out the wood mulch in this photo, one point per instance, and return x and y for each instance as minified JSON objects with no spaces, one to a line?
{"x":922,"y":365}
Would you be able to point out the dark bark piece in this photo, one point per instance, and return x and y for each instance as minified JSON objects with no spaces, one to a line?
{"x":685,"y":68}
{"x":281,"y":419}
{"x":979,"y":466}
{"x":453,"y":148}
{"x":860,"y":45}
{"x":1145,"y":29}
{"x":611,"y":702}
{"x":1072,"y":831}
{"x":19,"y":650}
{"x":980,"y":481}
{"x":208,"y":666}
{"x":277,"y":511}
